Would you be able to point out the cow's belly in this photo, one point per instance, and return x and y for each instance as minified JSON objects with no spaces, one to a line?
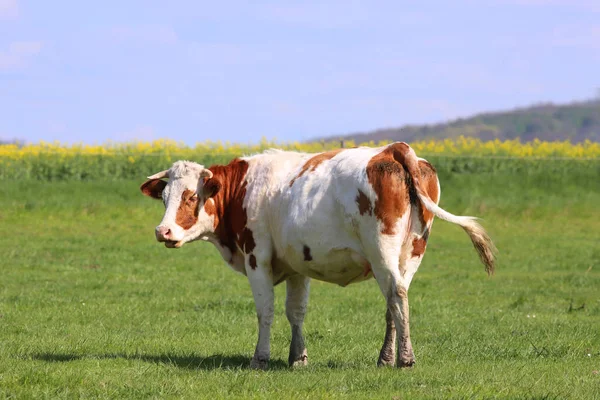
{"x":340,"y":266}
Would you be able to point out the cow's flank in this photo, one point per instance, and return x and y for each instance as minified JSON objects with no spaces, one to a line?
{"x":312,"y":163}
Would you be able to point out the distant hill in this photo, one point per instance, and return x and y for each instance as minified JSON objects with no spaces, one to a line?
{"x":575,"y":122}
{"x":11,"y":141}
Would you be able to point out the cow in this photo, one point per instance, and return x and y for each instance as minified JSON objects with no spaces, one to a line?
{"x":341,"y":216}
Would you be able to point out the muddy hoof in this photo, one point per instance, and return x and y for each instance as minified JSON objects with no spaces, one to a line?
{"x":260,"y":364}
{"x":383,"y":362}
{"x":408,"y":363}
{"x":300,"y":362}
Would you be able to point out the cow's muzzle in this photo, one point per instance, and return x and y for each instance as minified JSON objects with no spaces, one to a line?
{"x":164,"y":234}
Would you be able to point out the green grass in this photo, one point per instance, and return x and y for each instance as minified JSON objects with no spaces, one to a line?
{"x":92,"y":306}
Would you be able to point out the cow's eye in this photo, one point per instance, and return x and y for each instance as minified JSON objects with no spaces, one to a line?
{"x":193,"y":198}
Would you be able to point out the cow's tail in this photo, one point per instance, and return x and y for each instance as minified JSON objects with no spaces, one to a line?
{"x":404,"y":154}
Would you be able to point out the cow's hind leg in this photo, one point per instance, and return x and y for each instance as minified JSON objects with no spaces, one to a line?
{"x":387,"y":355}
{"x":394,"y":289}
{"x":398,"y":306}
{"x":295,"y":309}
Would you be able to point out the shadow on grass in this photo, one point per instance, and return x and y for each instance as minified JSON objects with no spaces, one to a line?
{"x":216,"y":361}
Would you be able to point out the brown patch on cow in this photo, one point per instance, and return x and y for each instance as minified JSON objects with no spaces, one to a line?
{"x":153,"y":188}
{"x":187,"y":213}
{"x":389,"y":181}
{"x":423,"y":176}
{"x":395,"y":175}
{"x":307,"y":255}
{"x":312,"y":163}
{"x":364,"y":204}
{"x":429,"y":182}
{"x":252,"y":261}
{"x":246,"y":241}
{"x":227,"y":208}
{"x":419,"y":244}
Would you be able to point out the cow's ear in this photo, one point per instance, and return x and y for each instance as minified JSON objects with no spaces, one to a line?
{"x":211,"y":187}
{"x":153,"y":188}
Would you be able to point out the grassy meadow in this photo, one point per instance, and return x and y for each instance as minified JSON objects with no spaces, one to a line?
{"x":92,"y":307}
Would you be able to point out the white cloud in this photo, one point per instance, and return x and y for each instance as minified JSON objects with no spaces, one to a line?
{"x":19,"y":54}
{"x":9,"y":9}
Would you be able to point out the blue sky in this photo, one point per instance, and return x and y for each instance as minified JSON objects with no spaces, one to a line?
{"x":80,"y":71}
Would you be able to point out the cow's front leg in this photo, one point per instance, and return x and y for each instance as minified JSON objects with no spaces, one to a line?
{"x":295,"y":309}
{"x":261,"y":281}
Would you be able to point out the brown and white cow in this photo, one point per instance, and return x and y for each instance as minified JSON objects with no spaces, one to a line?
{"x":341,"y":216}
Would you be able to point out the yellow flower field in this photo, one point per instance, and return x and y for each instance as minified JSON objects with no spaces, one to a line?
{"x":463,"y":146}
{"x":56,"y":161}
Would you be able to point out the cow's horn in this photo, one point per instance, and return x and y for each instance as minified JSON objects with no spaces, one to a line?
{"x":160,"y":175}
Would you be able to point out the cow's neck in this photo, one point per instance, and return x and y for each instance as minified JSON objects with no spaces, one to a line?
{"x":230,"y":214}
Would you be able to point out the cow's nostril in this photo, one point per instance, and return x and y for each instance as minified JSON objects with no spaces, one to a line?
{"x":163,"y":233}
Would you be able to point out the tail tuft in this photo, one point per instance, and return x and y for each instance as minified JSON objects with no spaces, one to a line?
{"x":483,"y":244}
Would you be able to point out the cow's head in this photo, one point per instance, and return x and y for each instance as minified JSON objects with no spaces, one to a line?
{"x":188,"y":196}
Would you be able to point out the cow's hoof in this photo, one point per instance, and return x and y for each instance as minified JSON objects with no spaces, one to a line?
{"x":382,"y":362}
{"x":300,"y":362}
{"x":261,"y":364}
{"x":406,"y":363}
{"x":387,"y":355}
